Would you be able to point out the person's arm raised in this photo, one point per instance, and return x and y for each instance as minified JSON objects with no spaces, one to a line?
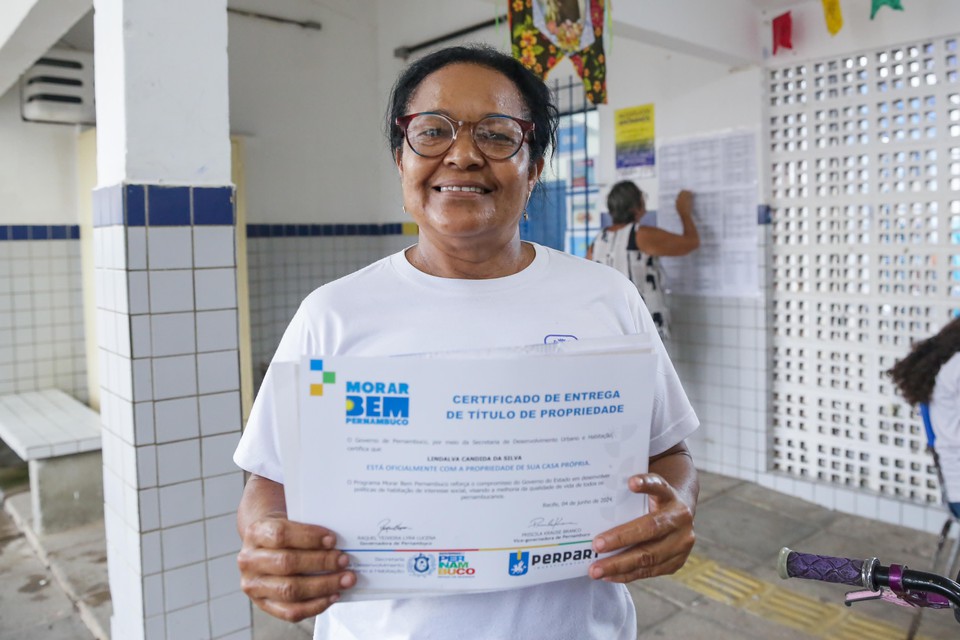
{"x":654,"y":241}
{"x":290,"y":570}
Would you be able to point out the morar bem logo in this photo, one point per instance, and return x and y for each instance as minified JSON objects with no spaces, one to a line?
{"x":367,"y":401}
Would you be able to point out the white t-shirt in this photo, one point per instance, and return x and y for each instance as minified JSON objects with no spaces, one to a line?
{"x":945,"y":420}
{"x":391,"y":308}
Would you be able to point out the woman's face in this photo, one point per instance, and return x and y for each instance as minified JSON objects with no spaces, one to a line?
{"x":489,"y":212}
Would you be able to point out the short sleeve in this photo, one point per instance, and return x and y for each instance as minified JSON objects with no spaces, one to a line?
{"x":259,"y":448}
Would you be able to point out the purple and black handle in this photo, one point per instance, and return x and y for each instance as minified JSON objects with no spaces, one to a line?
{"x":914,"y":588}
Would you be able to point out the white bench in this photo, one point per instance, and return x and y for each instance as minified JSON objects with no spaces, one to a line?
{"x":59,"y":438}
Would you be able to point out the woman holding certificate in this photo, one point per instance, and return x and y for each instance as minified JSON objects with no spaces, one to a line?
{"x":469,"y":128}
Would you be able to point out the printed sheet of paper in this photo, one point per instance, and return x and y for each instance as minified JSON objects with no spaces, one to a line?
{"x":469,"y":473}
{"x":721,"y":171}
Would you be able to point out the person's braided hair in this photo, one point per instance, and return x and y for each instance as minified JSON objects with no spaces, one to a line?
{"x":917,"y":372}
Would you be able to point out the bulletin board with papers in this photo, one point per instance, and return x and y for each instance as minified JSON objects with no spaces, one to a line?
{"x":721,"y":171}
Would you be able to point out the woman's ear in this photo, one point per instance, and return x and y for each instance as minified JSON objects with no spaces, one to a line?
{"x":534,"y":173}
{"x":397,"y":157}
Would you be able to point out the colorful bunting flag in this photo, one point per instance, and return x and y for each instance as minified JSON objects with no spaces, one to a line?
{"x":893,"y":4}
{"x":782,"y":32}
{"x":542,"y":32}
{"x":833,"y":16}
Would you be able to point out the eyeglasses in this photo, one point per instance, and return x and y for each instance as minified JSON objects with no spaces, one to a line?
{"x":497,"y":137}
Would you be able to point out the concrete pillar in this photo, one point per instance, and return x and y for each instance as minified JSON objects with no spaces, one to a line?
{"x":165,"y":263}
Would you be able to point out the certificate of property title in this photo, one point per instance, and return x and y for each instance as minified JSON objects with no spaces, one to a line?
{"x":467,"y":472}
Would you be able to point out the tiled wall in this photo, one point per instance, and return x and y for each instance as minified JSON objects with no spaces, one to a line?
{"x":287,"y":262}
{"x":41,"y":310}
{"x":170,"y":403}
{"x":720,"y":349}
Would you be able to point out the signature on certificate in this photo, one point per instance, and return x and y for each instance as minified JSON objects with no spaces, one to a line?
{"x":541,"y":523}
{"x":387,"y":526}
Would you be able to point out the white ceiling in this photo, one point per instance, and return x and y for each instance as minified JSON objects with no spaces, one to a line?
{"x":776,"y":5}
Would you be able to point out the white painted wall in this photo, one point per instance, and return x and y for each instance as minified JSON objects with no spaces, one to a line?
{"x":307,"y":102}
{"x":919,"y":19}
{"x":692,"y":96}
{"x":37,"y":168}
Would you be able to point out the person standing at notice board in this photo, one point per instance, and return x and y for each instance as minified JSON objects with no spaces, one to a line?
{"x":634,"y":250}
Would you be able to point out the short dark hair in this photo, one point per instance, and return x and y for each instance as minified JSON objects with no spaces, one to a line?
{"x":542,"y":111}
{"x":623,"y":200}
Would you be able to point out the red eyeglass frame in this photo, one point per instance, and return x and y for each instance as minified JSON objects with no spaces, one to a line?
{"x":404,"y":121}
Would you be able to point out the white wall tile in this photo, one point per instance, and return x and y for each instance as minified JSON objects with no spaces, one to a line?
{"x":183,"y":623}
{"x":221,"y":494}
{"x":218,"y":454}
{"x":140,"y":336}
{"x":169,"y":248}
{"x":222,"y":536}
{"x":173,"y":334}
{"x":151,"y":553}
{"x":174,"y":377}
{"x":216,"y":289}
{"x":155,"y":628}
{"x":219,"y":413}
{"x":214,"y":246}
{"x":242,"y":634}
{"x":183,"y":545}
{"x":138,"y":292}
{"x":143,"y":417}
{"x":142,"y":379}
{"x":122,"y":374}
{"x":218,"y":371}
{"x":153,"y":594}
{"x":181,"y":503}
{"x":136,"y":248}
{"x":216,"y":330}
{"x":149,"y":505}
{"x":176,"y":419}
{"x":178,"y":462}
{"x":912,"y":515}
{"x":146,"y":466}
{"x":185,"y":586}
{"x":230,"y":613}
{"x":223,"y":575}
{"x":171,"y":291}
{"x":121,"y":297}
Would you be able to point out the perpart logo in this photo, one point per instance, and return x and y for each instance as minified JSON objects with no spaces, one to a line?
{"x":522,"y":561}
{"x":384,"y":403}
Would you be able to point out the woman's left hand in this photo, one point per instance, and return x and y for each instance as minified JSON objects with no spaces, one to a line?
{"x":654,"y":544}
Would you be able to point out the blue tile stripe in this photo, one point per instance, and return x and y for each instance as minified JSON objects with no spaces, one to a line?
{"x":39,"y":232}
{"x":314,"y":230}
{"x":139,"y":205}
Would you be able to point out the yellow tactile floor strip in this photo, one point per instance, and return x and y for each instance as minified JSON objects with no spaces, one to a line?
{"x":782,"y":606}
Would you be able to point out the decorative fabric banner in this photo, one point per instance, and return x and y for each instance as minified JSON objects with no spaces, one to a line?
{"x":782,"y":32}
{"x":893,"y":4}
{"x":544,"y":31}
{"x":833,"y":16}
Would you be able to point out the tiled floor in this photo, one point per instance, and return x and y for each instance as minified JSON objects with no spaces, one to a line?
{"x":729,"y":588}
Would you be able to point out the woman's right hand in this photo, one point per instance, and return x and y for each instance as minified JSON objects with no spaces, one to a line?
{"x":290,"y":570}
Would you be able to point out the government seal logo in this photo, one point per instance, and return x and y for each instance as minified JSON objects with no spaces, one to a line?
{"x":421,"y":564}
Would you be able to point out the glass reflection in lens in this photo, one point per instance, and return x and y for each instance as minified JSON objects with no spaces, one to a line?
{"x":498,"y":137}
